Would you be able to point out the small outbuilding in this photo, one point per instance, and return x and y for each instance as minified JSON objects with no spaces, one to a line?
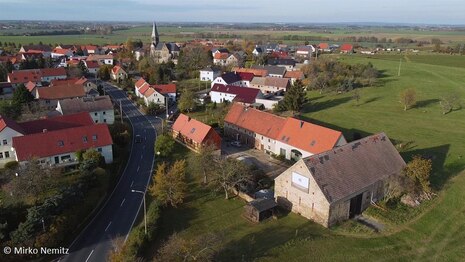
{"x":259,"y":209}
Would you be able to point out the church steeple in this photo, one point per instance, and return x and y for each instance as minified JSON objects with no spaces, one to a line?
{"x":155,"y":36}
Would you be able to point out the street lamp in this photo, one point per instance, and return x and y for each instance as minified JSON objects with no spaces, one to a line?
{"x":145,"y":207}
{"x":161,"y":120}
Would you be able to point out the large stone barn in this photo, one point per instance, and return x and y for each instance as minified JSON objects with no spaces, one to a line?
{"x":340,"y":183}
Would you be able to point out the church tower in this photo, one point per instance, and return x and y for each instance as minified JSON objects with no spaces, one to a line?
{"x":155,"y":36}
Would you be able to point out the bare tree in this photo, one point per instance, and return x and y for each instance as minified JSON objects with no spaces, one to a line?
{"x":450,"y":102}
{"x":200,"y":248}
{"x":202,"y":162}
{"x":408,"y":98}
{"x":230,"y":174}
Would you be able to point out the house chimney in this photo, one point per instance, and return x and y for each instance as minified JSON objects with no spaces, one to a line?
{"x":301,"y":124}
{"x":44,"y":130}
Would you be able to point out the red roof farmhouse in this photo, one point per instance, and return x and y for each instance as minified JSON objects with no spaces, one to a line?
{"x":194,"y":133}
{"x":289,"y":137}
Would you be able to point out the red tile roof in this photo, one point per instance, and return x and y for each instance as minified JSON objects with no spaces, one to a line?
{"x":149,"y":92}
{"x":24,"y":76}
{"x":165,"y":89}
{"x":92,"y":64}
{"x":254,"y":120}
{"x":256,"y":72}
{"x":307,"y":136}
{"x":323,"y":46}
{"x":60,"y":71}
{"x":221,"y":56}
{"x":63,"y":141}
{"x":30,"y":86}
{"x":144,"y":89}
{"x":347,"y":47}
{"x":243,"y":94}
{"x":61,"y":92}
{"x":140,"y":83}
{"x":69,"y":81}
{"x":115,"y":69}
{"x":56,"y":123}
{"x":299,"y":134}
{"x":245,"y":76}
{"x":194,"y":129}
{"x":294,"y":74}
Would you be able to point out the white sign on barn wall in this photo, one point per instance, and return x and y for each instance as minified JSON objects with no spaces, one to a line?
{"x":300,"y":181}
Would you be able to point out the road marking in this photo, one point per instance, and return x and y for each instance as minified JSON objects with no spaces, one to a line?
{"x":138,"y":168}
{"x":107,"y":226}
{"x":132,"y":183}
{"x":89,"y":255}
{"x":122,"y":202}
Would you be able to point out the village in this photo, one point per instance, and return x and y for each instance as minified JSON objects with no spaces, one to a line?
{"x":224,"y":117}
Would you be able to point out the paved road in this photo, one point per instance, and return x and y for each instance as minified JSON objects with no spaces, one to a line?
{"x":117,"y":216}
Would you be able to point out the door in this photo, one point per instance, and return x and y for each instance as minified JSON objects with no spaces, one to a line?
{"x":355,"y":206}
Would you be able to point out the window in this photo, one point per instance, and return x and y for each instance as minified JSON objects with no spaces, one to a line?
{"x":5,"y":142}
{"x":99,"y":149}
{"x":96,"y":121}
{"x":60,"y":143}
{"x":104,"y":112}
{"x":84,"y":139}
{"x":7,"y":154}
{"x":95,"y":114}
{"x":104,"y":120}
{"x":1,"y":155}
{"x":94,"y":137}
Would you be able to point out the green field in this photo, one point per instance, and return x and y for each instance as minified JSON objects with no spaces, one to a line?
{"x":436,"y":234}
{"x":180,"y":34}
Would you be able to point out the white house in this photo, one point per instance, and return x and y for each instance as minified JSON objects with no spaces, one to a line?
{"x":289,"y":137}
{"x":209,"y":74}
{"x":220,"y":93}
{"x":59,"y":147}
{"x":230,"y":78}
{"x":8,"y":130}
{"x":99,"y":108}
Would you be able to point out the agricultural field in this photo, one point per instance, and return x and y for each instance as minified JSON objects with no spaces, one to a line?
{"x":433,"y":232}
{"x":180,"y":34}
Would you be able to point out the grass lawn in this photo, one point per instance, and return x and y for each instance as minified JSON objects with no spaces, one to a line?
{"x":435,"y":232}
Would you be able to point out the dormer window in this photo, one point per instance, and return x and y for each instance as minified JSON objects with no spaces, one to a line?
{"x":94,"y":137}
{"x":60,"y":143}
{"x":84,"y":139}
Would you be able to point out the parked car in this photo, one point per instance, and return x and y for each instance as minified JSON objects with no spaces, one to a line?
{"x":236,"y":144}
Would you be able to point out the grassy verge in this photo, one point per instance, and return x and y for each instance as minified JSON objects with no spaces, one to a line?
{"x":433,"y":232}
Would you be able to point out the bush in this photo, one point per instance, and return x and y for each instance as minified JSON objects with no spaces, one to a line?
{"x":12,"y":165}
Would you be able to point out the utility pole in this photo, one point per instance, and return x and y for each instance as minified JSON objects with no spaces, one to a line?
{"x":121,"y":111}
{"x":167,"y":115}
{"x":400,"y":64}
{"x":145,"y":208}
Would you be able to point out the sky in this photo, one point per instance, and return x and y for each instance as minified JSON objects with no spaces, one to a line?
{"x":275,"y":11}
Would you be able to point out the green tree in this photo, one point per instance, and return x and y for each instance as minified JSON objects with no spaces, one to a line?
{"x":91,"y":159}
{"x":418,"y":170}
{"x":82,"y":67}
{"x":164,"y":145}
{"x":9,"y":109}
{"x":22,"y":96}
{"x":294,"y":99}
{"x":191,"y":59}
{"x":201,"y":162}
{"x":408,"y":98}
{"x":104,"y":72}
{"x":152,"y":108}
{"x":3,"y":73}
{"x":186,"y":102}
{"x":170,"y":185}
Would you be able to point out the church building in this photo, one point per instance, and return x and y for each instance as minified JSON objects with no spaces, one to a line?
{"x":162,"y":52}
